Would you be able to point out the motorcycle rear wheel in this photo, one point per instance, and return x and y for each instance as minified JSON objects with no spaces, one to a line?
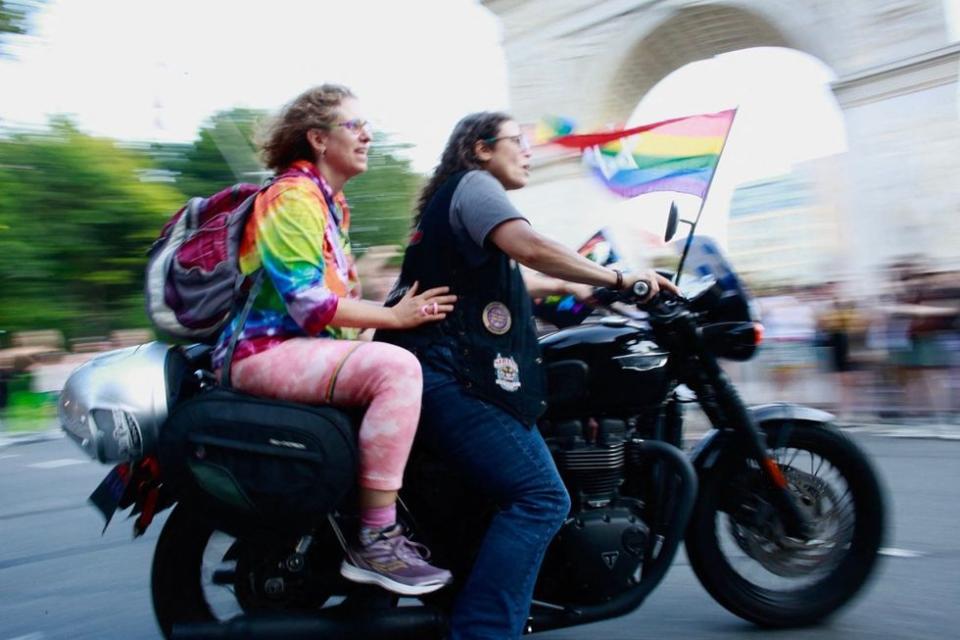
{"x":736,"y":544}
{"x":177,"y":574}
{"x":201,"y":574}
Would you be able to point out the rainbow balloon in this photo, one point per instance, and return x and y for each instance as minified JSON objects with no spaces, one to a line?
{"x":680,"y":154}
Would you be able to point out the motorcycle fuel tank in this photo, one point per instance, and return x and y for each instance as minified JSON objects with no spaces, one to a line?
{"x":611,"y":366}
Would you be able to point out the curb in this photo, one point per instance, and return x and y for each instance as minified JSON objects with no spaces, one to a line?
{"x":912,"y":431}
{"x":10,"y":440}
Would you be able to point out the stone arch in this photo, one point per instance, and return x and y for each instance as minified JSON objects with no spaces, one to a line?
{"x":652,"y":50}
{"x":896,"y":66}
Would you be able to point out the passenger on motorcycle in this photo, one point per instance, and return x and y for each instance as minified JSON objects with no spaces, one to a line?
{"x":299,"y":342}
{"x":483,"y":385}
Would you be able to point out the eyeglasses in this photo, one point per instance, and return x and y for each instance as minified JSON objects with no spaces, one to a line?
{"x":520,"y":140}
{"x":357,"y":125}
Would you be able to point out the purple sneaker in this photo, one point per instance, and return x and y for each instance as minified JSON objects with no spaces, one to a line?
{"x":395,"y":563}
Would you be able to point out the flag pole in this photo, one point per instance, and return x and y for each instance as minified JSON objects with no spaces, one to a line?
{"x":703,"y":200}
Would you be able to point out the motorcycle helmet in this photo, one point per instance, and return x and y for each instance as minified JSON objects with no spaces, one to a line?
{"x":113,"y":405}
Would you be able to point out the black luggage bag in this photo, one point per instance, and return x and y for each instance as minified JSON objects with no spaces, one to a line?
{"x":258,"y":459}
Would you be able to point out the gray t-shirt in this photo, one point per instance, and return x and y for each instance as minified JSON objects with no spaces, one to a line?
{"x":479,"y":204}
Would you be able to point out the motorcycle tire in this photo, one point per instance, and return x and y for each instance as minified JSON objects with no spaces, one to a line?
{"x":730,"y":500}
{"x":203,"y":574}
{"x":176,"y":583}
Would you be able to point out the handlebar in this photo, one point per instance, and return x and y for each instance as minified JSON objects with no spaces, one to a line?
{"x":640,"y":289}
{"x":635,"y":294}
{"x":662,"y":304}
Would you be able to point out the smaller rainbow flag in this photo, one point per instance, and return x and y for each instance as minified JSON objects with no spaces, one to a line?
{"x":680,"y":154}
{"x":564,"y":311}
{"x":550,"y":128}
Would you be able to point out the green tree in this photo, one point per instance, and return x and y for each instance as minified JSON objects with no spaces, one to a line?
{"x":76,"y":219}
{"x":382,"y":199}
{"x":13,"y":18}
{"x":223,"y":154}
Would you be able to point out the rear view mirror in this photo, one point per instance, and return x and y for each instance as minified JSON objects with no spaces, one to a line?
{"x":671,"y":223}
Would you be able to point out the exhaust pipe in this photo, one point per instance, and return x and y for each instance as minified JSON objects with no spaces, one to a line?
{"x":403,"y":623}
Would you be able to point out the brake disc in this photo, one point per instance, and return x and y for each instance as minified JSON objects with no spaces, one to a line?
{"x":758,"y":531}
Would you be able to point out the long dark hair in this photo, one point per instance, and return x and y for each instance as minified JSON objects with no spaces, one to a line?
{"x":459,"y":154}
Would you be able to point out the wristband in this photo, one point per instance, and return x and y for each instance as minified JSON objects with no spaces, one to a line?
{"x":619,"y":285}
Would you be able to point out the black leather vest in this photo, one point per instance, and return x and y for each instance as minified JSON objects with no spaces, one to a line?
{"x":491,"y":344}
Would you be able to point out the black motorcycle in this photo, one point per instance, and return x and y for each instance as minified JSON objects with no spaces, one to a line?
{"x":782,"y":514}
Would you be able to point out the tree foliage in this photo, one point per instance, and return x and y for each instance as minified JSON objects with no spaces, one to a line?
{"x":382,"y":199}
{"x":78,"y":213}
{"x":223,"y":153}
{"x":13,"y":18}
{"x":75,"y":223}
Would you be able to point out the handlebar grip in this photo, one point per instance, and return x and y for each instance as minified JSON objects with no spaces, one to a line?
{"x":641,"y":289}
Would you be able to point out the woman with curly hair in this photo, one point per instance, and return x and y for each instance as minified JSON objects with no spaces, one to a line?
{"x":299,"y":342}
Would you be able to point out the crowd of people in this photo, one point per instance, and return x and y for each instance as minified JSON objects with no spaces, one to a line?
{"x":888,"y":354}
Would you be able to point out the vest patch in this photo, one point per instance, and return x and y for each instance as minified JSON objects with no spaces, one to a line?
{"x":496,"y":318}
{"x":507,"y":373}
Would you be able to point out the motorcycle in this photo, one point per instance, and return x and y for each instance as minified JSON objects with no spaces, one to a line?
{"x":781,"y":514}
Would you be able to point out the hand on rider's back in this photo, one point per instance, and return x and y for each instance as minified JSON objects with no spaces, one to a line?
{"x":430,"y":306}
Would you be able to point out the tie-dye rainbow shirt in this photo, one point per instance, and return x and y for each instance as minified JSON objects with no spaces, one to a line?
{"x":304,"y":249}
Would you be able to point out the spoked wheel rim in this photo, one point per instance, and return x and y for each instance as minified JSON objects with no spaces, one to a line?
{"x":202,"y":574}
{"x":218,"y":574}
{"x":754,"y":541}
{"x":737,"y":546}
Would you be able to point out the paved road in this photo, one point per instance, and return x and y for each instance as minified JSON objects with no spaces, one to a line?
{"x":60,"y":579}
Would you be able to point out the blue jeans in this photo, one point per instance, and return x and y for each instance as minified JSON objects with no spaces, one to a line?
{"x":511,"y":464}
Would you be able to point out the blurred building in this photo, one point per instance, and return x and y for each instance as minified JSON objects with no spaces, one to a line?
{"x":782,"y":233}
{"x":896,"y":64}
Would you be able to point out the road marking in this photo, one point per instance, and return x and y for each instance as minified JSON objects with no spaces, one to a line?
{"x":53,"y":464}
{"x":893,"y":552}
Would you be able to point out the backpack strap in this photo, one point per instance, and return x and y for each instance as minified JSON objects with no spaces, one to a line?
{"x":247,"y":305}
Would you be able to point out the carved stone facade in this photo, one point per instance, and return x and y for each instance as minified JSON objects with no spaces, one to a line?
{"x":897,"y":75}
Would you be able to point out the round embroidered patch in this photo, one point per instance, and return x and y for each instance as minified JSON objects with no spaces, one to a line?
{"x":496,"y":318}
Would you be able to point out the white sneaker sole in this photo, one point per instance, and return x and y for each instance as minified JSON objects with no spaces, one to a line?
{"x":356,"y":574}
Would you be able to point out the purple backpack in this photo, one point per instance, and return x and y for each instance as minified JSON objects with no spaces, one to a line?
{"x":193,"y":276}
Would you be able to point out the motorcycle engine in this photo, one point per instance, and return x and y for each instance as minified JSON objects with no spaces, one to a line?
{"x":599,"y":551}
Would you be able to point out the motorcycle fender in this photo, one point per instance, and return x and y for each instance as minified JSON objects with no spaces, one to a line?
{"x":706,"y":454}
{"x":783,"y":411}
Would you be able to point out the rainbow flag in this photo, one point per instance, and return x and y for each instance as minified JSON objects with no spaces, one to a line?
{"x":680,"y":154}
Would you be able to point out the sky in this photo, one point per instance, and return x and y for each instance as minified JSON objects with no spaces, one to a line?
{"x":786,"y":115}
{"x":146,"y":70}
{"x":142,"y":70}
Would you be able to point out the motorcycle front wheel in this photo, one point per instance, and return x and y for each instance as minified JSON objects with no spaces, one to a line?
{"x":740,"y":553}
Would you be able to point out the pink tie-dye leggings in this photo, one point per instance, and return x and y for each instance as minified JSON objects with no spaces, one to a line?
{"x":383,"y":377}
